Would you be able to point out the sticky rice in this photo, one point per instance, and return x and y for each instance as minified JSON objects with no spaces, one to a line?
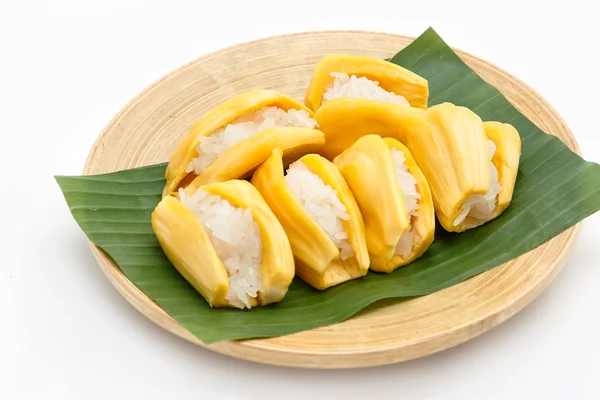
{"x":322,"y":203}
{"x":344,"y":86}
{"x":481,"y":206}
{"x":235,"y":236}
{"x":408,"y":186}
{"x":244,"y":127}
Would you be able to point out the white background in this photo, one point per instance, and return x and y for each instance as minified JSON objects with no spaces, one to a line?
{"x":66,"y":67}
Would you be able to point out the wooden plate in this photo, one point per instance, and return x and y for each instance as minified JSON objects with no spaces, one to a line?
{"x":147,"y":130}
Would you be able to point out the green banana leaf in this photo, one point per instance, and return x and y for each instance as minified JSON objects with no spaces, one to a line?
{"x":555,"y":189}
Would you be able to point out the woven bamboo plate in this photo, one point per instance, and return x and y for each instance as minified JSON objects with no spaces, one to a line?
{"x":147,"y":130}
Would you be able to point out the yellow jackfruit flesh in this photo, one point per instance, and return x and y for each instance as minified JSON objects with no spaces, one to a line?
{"x":319,"y":261}
{"x":460,"y":157}
{"x":506,"y":159}
{"x":227,"y":243}
{"x":394,"y":199}
{"x":366,"y":77}
{"x":236,"y":136}
{"x":343,"y":121}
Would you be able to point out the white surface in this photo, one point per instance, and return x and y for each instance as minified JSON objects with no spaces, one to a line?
{"x":65,"y":70}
